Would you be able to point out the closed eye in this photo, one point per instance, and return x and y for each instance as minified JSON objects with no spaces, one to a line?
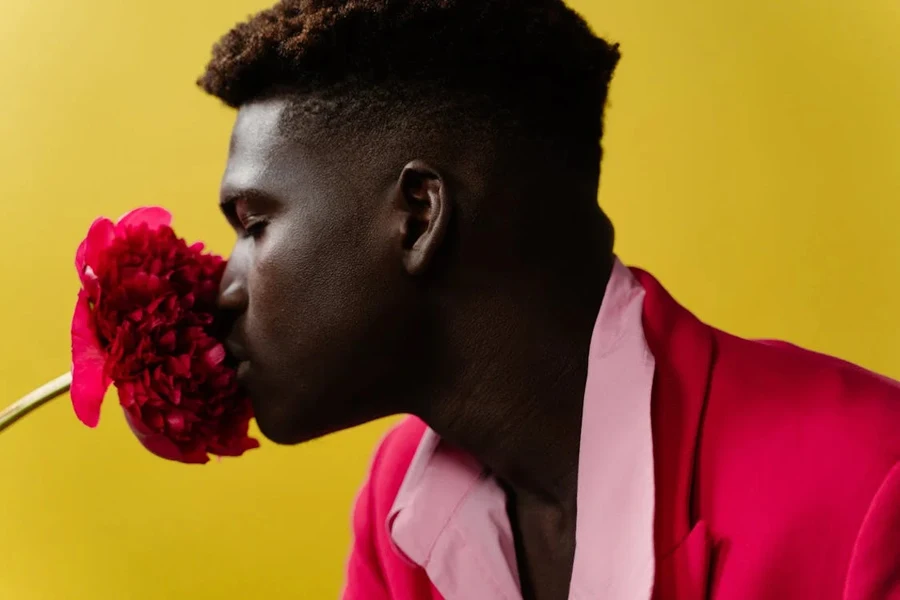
{"x":256,"y":228}
{"x":248,"y":211}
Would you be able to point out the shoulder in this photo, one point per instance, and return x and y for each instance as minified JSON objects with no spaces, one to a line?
{"x":831,"y":401}
{"x":798,"y":457}
{"x":374,"y":570}
{"x":391,"y":462}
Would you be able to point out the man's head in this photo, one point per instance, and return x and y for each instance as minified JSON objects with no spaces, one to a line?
{"x":391,"y":163}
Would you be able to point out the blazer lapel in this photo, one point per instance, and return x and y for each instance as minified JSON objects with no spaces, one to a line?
{"x":684,"y":349}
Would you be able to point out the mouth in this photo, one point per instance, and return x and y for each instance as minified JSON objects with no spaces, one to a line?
{"x":236,"y":351}
{"x":243,"y":370}
{"x":239,"y":359}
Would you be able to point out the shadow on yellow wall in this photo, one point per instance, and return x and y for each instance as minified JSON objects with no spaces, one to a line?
{"x":752,"y":157}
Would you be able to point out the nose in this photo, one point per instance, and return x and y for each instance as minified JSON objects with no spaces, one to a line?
{"x":233,"y":296}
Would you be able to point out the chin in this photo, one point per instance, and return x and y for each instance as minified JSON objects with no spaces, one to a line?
{"x":287,"y":428}
{"x":294,"y":419}
{"x":281,"y":429}
{"x":277,"y":432}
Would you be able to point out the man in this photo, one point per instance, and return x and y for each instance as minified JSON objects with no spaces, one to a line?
{"x":413,"y":184}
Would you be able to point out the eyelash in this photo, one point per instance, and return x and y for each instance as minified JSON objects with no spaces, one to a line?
{"x":255,"y":230}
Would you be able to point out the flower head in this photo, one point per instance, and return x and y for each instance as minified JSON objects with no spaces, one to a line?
{"x":145,"y":322}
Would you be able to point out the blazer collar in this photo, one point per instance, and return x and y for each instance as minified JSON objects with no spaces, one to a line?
{"x":685,"y":350}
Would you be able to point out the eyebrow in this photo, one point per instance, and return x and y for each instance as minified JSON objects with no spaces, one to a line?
{"x":229,"y":197}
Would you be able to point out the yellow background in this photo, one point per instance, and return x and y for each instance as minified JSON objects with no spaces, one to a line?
{"x":753,"y":164}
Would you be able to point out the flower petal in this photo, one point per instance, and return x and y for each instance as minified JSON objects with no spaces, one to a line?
{"x":99,"y":237}
{"x":160,"y":445}
{"x":215,"y":356}
{"x":89,"y":383}
{"x":80,"y":262}
{"x":153,"y":217}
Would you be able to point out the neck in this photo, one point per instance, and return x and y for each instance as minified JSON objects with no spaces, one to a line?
{"x":512,"y":386}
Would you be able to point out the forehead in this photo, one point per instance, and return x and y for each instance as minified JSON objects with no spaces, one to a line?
{"x":291,"y":144}
{"x":258,"y":128}
{"x":261,"y":153}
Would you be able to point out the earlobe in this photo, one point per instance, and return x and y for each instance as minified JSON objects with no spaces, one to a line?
{"x":426,"y":208}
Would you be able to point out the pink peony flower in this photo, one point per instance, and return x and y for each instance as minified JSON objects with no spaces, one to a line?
{"x":144,"y":322}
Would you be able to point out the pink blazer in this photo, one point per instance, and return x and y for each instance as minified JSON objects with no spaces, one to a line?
{"x":777,"y":474}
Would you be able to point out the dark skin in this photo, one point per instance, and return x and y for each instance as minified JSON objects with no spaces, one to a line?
{"x":360,"y":290}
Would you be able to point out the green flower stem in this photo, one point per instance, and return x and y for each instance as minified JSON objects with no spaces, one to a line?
{"x":34,"y":399}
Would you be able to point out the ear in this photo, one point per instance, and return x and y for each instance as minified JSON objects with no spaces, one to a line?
{"x":425,"y":208}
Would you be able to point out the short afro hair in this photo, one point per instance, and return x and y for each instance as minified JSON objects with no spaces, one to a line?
{"x":536,"y":61}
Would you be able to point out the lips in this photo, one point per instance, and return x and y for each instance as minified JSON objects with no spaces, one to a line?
{"x":243,"y":370}
{"x":237,"y":351}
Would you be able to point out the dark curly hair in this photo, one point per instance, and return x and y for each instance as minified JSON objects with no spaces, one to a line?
{"x":531,"y":65}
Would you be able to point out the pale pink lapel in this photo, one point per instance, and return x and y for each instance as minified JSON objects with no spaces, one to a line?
{"x":614,"y":555}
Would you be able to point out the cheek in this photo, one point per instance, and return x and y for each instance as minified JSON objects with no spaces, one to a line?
{"x":304,"y":289}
